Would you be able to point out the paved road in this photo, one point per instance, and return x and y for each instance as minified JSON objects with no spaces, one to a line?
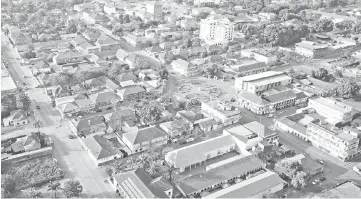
{"x":20,"y":74}
{"x":72,"y":158}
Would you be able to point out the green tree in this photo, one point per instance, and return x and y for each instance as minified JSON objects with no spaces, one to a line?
{"x":72,"y":28}
{"x":164,"y":74}
{"x":31,"y":193}
{"x":322,"y":25}
{"x":54,"y":188}
{"x":8,"y":102}
{"x":115,"y":70}
{"x":7,"y":184}
{"x":345,"y":25}
{"x":149,"y":114}
{"x":72,"y":188}
{"x":288,"y":168}
{"x":109,"y":171}
{"x":22,"y":100}
{"x":299,"y":181}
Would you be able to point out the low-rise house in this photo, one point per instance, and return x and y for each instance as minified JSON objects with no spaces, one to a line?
{"x":109,"y":84}
{"x":267,"y":16}
{"x":190,"y":118}
{"x":129,"y":76}
{"x":27,"y":143}
{"x":138,"y":184}
{"x":100,"y":149}
{"x":18,"y":38}
{"x":153,"y":50}
{"x":122,"y":54}
{"x":347,"y":189}
{"x":87,"y":47}
{"x":180,"y":53}
{"x":107,"y":55}
{"x":197,"y":51}
{"x":174,"y":128}
{"x":224,"y":112}
{"x":16,"y":118}
{"x":262,"y":131}
{"x":136,"y":61}
{"x":84,"y":6}
{"x":106,"y":43}
{"x":125,"y":116}
{"x":94,"y":85}
{"x":88,"y":125}
{"x":139,"y":140}
{"x":166,"y":45}
{"x":42,"y":67}
{"x":92,"y":34}
{"x":133,"y":40}
{"x":105,"y":99}
{"x":184,"y":68}
{"x":68,"y":57}
{"x":131,"y":93}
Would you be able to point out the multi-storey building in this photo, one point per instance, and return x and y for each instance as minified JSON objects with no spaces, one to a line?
{"x":155,"y":9}
{"x":333,"y":110}
{"x":258,"y":83}
{"x":206,"y":2}
{"x":334,"y":141}
{"x":216,"y":30}
{"x":311,"y":49}
{"x":184,"y":68}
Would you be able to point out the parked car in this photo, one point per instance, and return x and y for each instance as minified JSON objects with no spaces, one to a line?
{"x":190,"y":140}
{"x":71,"y":136}
{"x":321,"y":162}
{"x":175,"y":140}
{"x":270,"y":115}
{"x":37,"y":107}
{"x":322,"y":179}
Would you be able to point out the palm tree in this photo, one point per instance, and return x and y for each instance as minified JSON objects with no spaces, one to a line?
{"x":31,"y":193}
{"x":54,"y":188}
{"x":170,"y":168}
{"x":37,"y":124}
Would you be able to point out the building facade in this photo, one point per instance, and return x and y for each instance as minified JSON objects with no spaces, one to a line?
{"x":337,"y":143}
{"x":215,"y":30}
{"x":258,"y":83}
{"x":311,"y":50}
{"x":226,"y":113}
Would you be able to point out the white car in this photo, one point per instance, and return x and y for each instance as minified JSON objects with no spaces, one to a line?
{"x":190,"y":140}
{"x":270,"y":115}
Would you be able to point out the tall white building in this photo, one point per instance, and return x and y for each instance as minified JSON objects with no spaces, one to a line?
{"x":155,"y":8}
{"x":216,"y":30}
{"x":207,"y":2}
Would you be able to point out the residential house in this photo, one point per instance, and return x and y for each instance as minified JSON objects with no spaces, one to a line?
{"x":106,"y":55}
{"x":184,"y":68}
{"x":27,"y":143}
{"x":105,"y":99}
{"x":153,"y":50}
{"x":94,"y":18}
{"x":131,"y":93}
{"x":139,"y":140}
{"x":69,"y":57}
{"x":42,"y":67}
{"x":190,"y":118}
{"x":260,"y":82}
{"x":166,"y":45}
{"x":88,"y":125}
{"x":125,"y":116}
{"x":16,"y":118}
{"x":18,"y":38}
{"x":126,"y":77}
{"x":122,"y":54}
{"x":100,"y":149}
{"x":267,"y":16}
{"x":224,"y":112}
{"x":138,"y":184}
{"x":180,"y":53}
{"x":109,"y":84}
{"x":133,"y":40}
{"x":87,"y":48}
{"x":83,"y":6}
{"x":197,"y":51}
{"x":107,"y":43}
{"x":94,"y":85}
{"x":136,"y":61}
{"x":174,"y":128}
{"x":347,"y":189}
{"x":109,"y":9}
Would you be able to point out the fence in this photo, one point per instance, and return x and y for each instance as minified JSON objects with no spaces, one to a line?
{"x":47,"y":151}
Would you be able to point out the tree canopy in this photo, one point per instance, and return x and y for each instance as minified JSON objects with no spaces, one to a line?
{"x":72,"y":188}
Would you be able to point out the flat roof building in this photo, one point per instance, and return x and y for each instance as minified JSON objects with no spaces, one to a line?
{"x":260,"y":82}
{"x":333,"y":110}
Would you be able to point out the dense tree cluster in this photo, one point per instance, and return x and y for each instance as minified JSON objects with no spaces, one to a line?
{"x":283,"y":36}
{"x":322,"y":74}
{"x":322,"y":25}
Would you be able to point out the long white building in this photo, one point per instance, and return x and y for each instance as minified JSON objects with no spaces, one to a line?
{"x":216,"y":30}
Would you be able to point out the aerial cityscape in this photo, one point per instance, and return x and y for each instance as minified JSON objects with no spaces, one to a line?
{"x":181,"y":99}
